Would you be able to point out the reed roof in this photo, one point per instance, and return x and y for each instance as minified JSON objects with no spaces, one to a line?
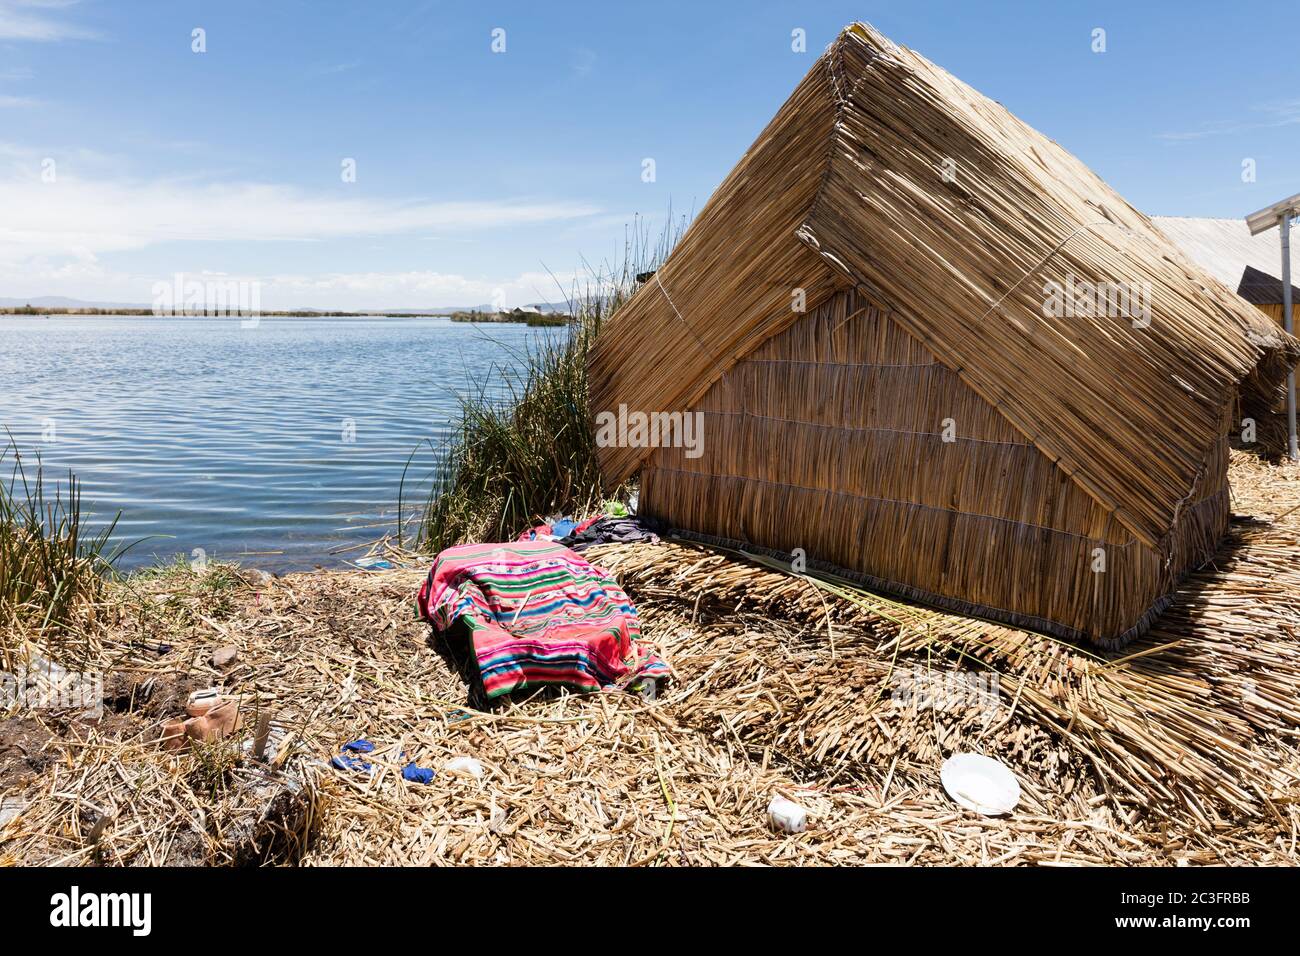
{"x":953,"y":215}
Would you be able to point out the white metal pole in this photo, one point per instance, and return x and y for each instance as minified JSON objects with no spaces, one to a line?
{"x":1286,"y":323}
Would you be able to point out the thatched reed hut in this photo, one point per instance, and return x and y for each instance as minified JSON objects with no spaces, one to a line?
{"x":1251,"y":265}
{"x":896,"y":319}
{"x":1265,"y":292}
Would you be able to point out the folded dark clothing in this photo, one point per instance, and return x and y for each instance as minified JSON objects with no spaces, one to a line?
{"x":613,"y":530}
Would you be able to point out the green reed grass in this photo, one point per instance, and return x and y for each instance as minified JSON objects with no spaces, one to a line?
{"x":51,"y":566}
{"x":509,"y":463}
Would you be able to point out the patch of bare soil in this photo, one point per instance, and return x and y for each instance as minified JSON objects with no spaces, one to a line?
{"x":24,"y":751}
{"x":148,"y":696}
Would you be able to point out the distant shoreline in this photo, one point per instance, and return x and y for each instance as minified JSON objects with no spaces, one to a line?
{"x":284,"y":314}
{"x":528,"y":318}
{"x":517,"y":316}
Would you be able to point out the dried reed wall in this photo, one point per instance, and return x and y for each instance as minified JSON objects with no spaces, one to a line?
{"x":830,"y":438}
{"x":1274,"y":401}
{"x":962,"y":261}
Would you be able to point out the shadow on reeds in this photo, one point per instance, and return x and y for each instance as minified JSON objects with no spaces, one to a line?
{"x":456,"y":648}
{"x":1270,"y":438}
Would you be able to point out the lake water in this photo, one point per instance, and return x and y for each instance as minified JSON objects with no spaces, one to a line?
{"x":277,"y":446}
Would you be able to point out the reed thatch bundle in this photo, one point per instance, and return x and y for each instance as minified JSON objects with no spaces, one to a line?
{"x":1182,"y":751}
{"x":939,"y":227}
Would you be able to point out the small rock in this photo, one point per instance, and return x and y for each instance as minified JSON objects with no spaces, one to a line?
{"x":225,"y":656}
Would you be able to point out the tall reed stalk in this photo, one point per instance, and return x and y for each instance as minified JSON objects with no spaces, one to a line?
{"x":508,"y":463}
{"x":51,"y":567}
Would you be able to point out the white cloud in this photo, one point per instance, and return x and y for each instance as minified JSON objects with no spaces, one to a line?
{"x":54,"y":235}
{"x":9,"y":102}
{"x":330,"y":69}
{"x":81,"y":218}
{"x":1284,"y":113}
{"x":91,"y":281}
{"x":416,"y":289}
{"x":32,"y":20}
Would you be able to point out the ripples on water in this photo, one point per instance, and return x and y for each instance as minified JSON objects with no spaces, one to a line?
{"x":234,"y":440}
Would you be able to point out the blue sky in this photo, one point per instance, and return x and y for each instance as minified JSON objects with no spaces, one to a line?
{"x":478,"y":171}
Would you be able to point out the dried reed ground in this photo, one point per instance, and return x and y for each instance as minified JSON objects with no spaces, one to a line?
{"x":1181,"y":750}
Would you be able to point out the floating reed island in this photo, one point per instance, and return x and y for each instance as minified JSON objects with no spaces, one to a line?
{"x":1182,"y":750}
{"x":532,"y":317}
{"x":871,"y":316}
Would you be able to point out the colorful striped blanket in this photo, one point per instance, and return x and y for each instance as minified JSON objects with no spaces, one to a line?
{"x":538,"y":613}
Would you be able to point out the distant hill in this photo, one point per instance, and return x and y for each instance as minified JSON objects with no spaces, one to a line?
{"x":62,"y":302}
